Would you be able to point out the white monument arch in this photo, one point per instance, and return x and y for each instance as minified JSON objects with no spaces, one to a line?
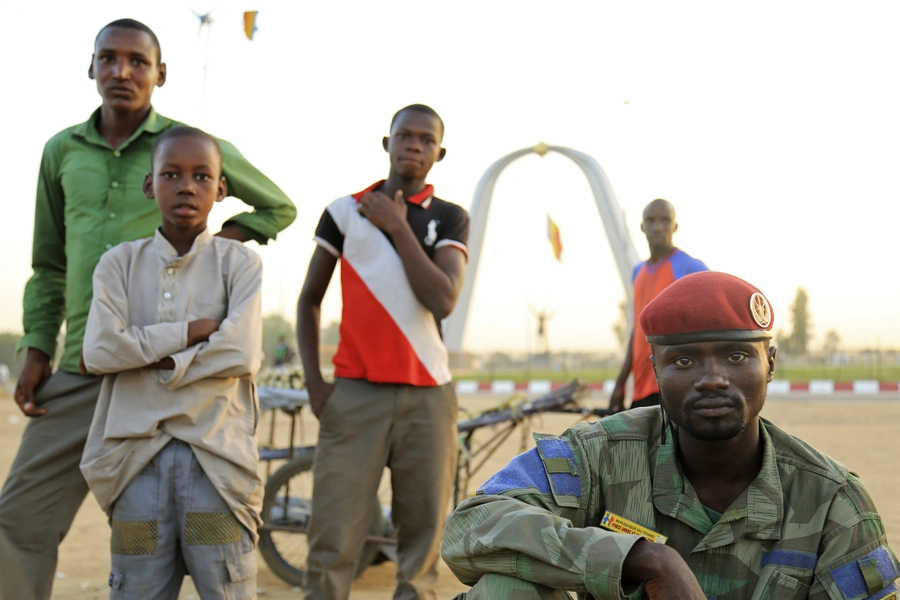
{"x":620,"y":242}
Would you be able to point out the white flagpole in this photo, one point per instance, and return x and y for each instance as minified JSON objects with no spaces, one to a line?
{"x":205,"y":74}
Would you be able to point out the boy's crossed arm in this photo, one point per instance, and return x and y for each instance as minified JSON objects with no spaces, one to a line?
{"x":234,"y":349}
{"x":198,"y":331}
{"x":111,"y":345}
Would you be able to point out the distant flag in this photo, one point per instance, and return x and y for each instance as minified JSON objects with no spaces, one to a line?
{"x":206,"y":22}
{"x":250,"y":23}
{"x":555,"y":239}
{"x":205,"y":19}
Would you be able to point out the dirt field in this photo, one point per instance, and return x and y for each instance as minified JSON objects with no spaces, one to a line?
{"x":859,"y":432}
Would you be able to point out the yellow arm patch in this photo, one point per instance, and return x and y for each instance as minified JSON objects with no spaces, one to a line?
{"x":614,"y":522}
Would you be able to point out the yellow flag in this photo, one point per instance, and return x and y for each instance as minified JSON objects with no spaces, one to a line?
{"x":555,"y":239}
{"x":250,"y":23}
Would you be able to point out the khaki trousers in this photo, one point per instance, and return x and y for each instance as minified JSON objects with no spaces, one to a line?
{"x":365,"y":427}
{"x":45,"y":488}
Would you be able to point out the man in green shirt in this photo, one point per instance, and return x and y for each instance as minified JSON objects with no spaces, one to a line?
{"x":89,"y":199}
{"x":697,"y":499}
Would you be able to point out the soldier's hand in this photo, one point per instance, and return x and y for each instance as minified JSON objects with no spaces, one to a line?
{"x":201,"y":329}
{"x":319,"y":392}
{"x":35,"y":372}
{"x":617,"y":399}
{"x":662,"y":570}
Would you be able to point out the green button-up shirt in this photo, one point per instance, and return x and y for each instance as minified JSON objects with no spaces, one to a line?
{"x":89,"y":199}
{"x":804,"y":529}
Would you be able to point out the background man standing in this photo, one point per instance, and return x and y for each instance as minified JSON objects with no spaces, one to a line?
{"x":665,"y":265}
{"x":90,"y":198}
{"x":403,"y":254}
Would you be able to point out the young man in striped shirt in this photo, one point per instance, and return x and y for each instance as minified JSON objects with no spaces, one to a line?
{"x":403,"y":255}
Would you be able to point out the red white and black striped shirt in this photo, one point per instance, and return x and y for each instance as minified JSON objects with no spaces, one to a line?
{"x":387,"y":335}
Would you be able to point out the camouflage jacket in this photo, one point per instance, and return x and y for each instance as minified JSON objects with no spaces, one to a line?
{"x":805,"y":528}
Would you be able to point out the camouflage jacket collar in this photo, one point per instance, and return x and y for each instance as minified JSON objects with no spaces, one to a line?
{"x":756,"y":514}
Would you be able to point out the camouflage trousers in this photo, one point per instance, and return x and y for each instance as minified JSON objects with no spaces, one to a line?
{"x":500,"y":587}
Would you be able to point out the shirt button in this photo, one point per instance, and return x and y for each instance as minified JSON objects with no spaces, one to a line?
{"x":112,"y":215}
{"x":170,"y":270}
{"x":117,"y":154}
{"x":115,"y":184}
{"x":167,"y":295}
{"x":108,"y":246}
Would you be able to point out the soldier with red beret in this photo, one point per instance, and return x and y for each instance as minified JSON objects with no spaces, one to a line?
{"x":699,"y":498}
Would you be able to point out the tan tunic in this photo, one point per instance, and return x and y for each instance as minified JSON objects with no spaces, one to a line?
{"x":144,"y":297}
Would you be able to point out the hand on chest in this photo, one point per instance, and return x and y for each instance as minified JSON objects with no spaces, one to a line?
{"x":426,"y":228}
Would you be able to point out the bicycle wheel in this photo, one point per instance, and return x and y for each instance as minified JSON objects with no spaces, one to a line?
{"x":287,"y":507}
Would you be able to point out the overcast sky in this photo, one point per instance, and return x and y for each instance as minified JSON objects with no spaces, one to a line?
{"x":773,"y":127}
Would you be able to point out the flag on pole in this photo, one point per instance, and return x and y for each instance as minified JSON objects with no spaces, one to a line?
{"x":554,"y":237}
{"x":250,"y":23}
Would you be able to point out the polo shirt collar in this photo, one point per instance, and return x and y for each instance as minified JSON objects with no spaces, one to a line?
{"x":153,"y":123}
{"x":422,"y":199}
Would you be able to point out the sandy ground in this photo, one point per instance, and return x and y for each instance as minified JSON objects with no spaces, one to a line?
{"x":859,"y":432}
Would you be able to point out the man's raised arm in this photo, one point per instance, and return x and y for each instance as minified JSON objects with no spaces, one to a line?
{"x":273,"y":210}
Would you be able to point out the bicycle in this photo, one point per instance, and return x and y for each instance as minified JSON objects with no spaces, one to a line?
{"x":288,"y":491}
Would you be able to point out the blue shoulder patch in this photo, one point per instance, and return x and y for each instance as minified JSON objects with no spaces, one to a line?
{"x":888,"y":593}
{"x":852,"y":582}
{"x":789,"y":558}
{"x":637,"y":270}
{"x":684,"y":264}
{"x":564,"y":483}
{"x":524,"y":471}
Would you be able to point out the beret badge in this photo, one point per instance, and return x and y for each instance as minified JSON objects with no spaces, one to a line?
{"x":759,"y":310}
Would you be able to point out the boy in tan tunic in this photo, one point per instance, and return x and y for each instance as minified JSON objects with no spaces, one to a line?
{"x":175,"y":327}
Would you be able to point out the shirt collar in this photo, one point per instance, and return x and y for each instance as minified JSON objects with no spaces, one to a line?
{"x":756,"y":514}
{"x":153,"y":123}
{"x":169,"y":255}
{"x":422,"y":199}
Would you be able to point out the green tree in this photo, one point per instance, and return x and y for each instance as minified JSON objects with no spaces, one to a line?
{"x":620,"y":327}
{"x":801,"y":325}
{"x":331,"y":334}
{"x":832,"y":342}
{"x":275,"y":326}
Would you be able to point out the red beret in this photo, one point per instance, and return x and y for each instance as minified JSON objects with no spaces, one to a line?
{"x":707,"y":306}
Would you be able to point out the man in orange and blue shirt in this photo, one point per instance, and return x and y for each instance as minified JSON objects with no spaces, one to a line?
{"x":666,"y":265}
